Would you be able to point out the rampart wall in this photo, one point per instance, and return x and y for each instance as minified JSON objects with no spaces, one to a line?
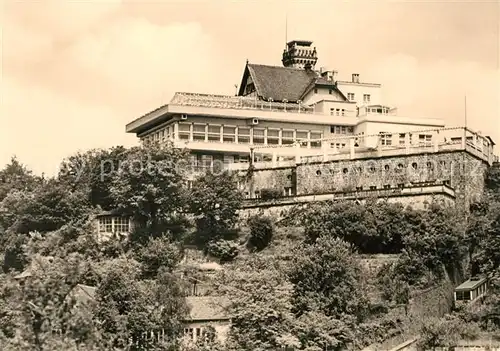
{"x":459,"y":170}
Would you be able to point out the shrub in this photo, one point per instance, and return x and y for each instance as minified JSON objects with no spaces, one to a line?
{"x":261,"y":231}
{"x":270,"y":194}
{"x":225,"y":250}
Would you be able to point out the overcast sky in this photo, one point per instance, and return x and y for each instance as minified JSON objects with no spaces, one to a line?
{"x":74,"y":73}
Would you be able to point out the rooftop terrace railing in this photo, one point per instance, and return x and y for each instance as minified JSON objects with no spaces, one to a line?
{"x":237,"y":102}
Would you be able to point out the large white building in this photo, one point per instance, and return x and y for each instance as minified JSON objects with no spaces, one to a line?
{"x":276,"y":107}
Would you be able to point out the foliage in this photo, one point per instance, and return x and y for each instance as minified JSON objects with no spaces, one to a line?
{"x":91,"y":173}
{"x":46,"y":208}
{"x":270,"y":194}
{"x":259,"y":293}
{"x":158,"y":253}
{"x":326,"y":278}
{"x":261,"y":231}
{"x":42,"y":311}
{"x":214,"y":201}
{"x":225,"y":250}
{"x":149,"y":185}
{"x":14,"y":255}
{"x":17,"y":177}
{"x":127,"y":307}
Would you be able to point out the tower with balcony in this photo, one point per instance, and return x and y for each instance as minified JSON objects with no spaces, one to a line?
{"x":299,"y":54}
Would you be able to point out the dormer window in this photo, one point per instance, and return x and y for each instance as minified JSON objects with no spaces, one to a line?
{"x":250,"y":88}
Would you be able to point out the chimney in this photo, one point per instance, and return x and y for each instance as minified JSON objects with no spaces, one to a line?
{"x":355,"y":78}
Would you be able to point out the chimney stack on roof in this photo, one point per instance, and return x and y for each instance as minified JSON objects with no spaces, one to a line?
{"x":355,"y":78}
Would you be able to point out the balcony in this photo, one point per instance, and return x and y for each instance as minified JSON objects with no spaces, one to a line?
{"x":236,"y":102}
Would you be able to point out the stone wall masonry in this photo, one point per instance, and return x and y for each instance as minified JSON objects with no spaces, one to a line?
{"x":460,"y":170}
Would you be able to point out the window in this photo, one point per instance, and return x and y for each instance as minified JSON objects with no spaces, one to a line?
{"x":373,"y":187}
{"x":206,"y":161}
{"x":228,"y":159}
{"x":105,"y":225}
{"x":342,"y":112}
{"x":287,"y":137}
{"x":315,"y":91}
{"x":318,"y":172}
{"x":414,"y":165}
{"x":250,"y":88}
{"x":343,"y":130}
{"x":330,"y":91}
{"x":337,"y":112}
{"x":193,"y":160}
{"x":315,"y":139}
{"x":214,"y":133}
{"x":117,"y":224}
{"x":199,"y":132}
{"x":332,"y":111}
{"x":273,"y":136}
{"x":258,"y":136}
{"x":301,"y":135}
{"x":402,"y":139}
{"x":228,"y":134}
{"x":332,"y":129}
{"x":243,"y":135}
{"x":366,"y":97}
{"x":385,"y":139}
{"x":424,"y":138}
{"x":184,"y":131}
{"x":387,"y":186}
{"x":350,"y":96}
{"x":401,"y":185}
{"x":350,"y":130}
{"x":359,"y":188}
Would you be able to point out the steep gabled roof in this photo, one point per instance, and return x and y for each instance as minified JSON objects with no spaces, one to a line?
{"x":278,"y":83}
{"x":322,"y":82}
{"x":205,"y":308}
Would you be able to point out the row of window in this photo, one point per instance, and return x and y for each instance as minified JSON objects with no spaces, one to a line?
{"x":470,"y":295}
{"x":116,"y":224}
{"x":373,"y":169}
{"x":342,"y":130}
{"x":352,"y":97}
{"x":233,"y":134}
{"x":195,"y":334}
{"x":387,"y":139}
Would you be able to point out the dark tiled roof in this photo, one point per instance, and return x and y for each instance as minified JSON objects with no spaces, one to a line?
{"x":279,"y":83}
{"x":204,"y":308}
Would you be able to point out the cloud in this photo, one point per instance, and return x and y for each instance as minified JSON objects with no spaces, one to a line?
{"x":74,"y":73}
{"x":438,"y":89}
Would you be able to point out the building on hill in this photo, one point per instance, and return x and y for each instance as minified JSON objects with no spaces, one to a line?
{"x":285,"y":121}
{"x":275,"y":106}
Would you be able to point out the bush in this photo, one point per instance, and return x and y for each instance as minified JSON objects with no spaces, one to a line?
{"x":225,"y":250}
{"x":261,"y":231}
{"x":270,"y":194}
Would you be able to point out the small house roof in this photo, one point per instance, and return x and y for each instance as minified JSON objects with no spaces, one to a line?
{"x":207,"y":308}
{"x":470,"y":284}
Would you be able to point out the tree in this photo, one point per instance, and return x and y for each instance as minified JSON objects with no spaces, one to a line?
{"x":92,"y":173}
{"x":17,"y":177}
{"x":326,"y":278}
{"x":261,"y":231}
{"x":214,"y":200}
{"x":41,"y":310}
{"x":158,"y":253}
{"x":259,"y":295}
{"x":128,"y":307}
{"x":149,"y":185}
